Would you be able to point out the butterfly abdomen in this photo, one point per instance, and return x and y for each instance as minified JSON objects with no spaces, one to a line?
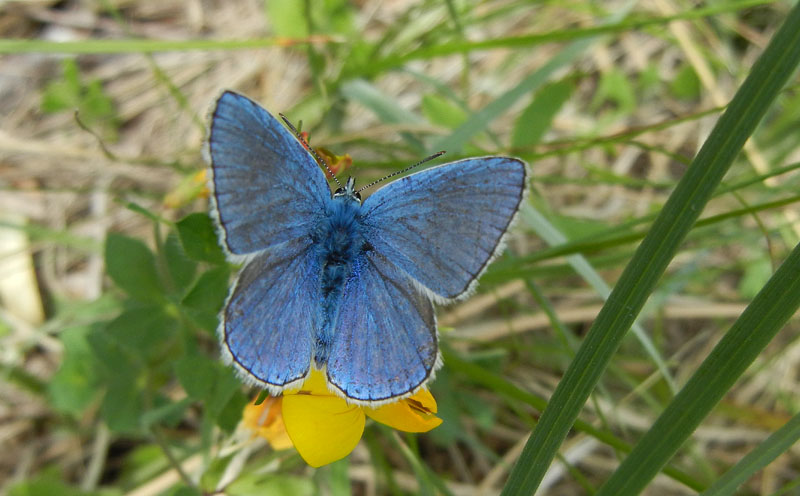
{"x":338,"y":240}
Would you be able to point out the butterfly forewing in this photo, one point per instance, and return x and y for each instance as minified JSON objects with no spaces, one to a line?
{"x":443,"y":225}
{"x":267,"y":188}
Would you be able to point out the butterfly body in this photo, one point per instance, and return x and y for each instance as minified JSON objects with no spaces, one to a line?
{"x":335,"y":283}
{"x":338,"y":243}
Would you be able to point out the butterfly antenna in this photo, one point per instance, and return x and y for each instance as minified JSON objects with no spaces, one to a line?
{"x":319,"y":159}
{"x":373,"y":183}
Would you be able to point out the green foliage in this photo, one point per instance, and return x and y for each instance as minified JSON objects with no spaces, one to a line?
{"x":756,"y":273}
{"x":132,"y":267}
{"x":70,"y":93}
{"x":199,"y":239}
{"x":537,"y":117}
{"x":442,"y":112}
{"x":686,"y":84}
{"x":74,"y":386}
{"x":143,"y":366}
{"x":615,"y":89}
{"x":50,"y":484}
{"x":291,"y":19}
{"x":173,"y":296}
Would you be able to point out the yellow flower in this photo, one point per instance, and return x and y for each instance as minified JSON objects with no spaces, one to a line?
{"x":266,"y":420}
{"x":188,"y":189}
{"x":324,"y":428}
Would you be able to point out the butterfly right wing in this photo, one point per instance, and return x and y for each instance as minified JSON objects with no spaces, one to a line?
{"x":385,"y":344}
{"x":267,"y":188}
{"x":267,"y":326}
{"x":443,"y":225}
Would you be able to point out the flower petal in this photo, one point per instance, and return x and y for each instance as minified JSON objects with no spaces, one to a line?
{"x":316,"y":383}
{"x":266,"y":420}
{"x":413,"y":414}
{"x":323,"y":428}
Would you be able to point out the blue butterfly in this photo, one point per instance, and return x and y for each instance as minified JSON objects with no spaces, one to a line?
{"x":337,"y":284}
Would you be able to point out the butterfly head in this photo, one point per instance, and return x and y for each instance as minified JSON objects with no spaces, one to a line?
{"x":348,"y":191}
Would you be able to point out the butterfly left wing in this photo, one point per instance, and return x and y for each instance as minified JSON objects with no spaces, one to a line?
{"x":267,"y":326}
{"x":385,"y":342}
{"x":267,"y":188}
{"x":443,"y":226}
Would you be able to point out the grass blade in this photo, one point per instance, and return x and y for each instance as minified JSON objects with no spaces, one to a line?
{"x":776,"y":444}
{"x":648,"y":264}
{"x":748,"y":336}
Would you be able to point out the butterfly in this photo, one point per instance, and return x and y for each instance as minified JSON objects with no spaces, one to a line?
{"x":331,"y":282}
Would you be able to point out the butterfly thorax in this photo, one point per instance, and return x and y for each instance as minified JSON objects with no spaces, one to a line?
{"x":339,"y":242}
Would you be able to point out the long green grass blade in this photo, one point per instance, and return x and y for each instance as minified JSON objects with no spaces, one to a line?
{"x":444,"y":49}
{"x":748,"y":336}
{"x":498,"y":384}
{"x":547,"y":231}
{"x":482,"y":118}
{"x":776,"y":444}
{"x":84,"y":47}
{"x":648,"y":264}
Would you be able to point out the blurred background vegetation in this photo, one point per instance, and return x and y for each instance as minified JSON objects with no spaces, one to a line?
{"x":110,"y":276}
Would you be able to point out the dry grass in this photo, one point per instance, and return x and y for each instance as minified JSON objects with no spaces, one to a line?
{"x":64,"y":194}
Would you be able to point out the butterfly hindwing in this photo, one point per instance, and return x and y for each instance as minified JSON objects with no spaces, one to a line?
{"x":442,"y":226}
{"x":385,"y":342}
{"x":267,"y":187}
{"x":268,"y":323}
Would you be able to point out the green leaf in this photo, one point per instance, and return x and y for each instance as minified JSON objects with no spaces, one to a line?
{"x":132,"y":266}
{"x":253,"y":483}
{"x":537,"y":118}
{"x":183,"y":490}
{"x":649,"y":78}
{"x":48,"y":483}
{"x":768,"y":76}
{"x":199,"y":238}
{"x":122,"y":406}
{"x":181,"y":268}
{"x":197,"y":375}
{"x":69,"y":93}
{"x":442,"y":112}
{"x":686,"y":84}
{"x":209,"y":291}
{"x":213,"y":384}
{"x":288,"y":18}
{"x":75,"y":385}
{"x":385,"y":107}
{"x":63,"y":94}
{"x":756,"y":273}
{"x":230,"y":415}
{"x":144,"y":332}
{"x":169,"y":413}
{"x":205,"y":299}
{"x":615,"y":88}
